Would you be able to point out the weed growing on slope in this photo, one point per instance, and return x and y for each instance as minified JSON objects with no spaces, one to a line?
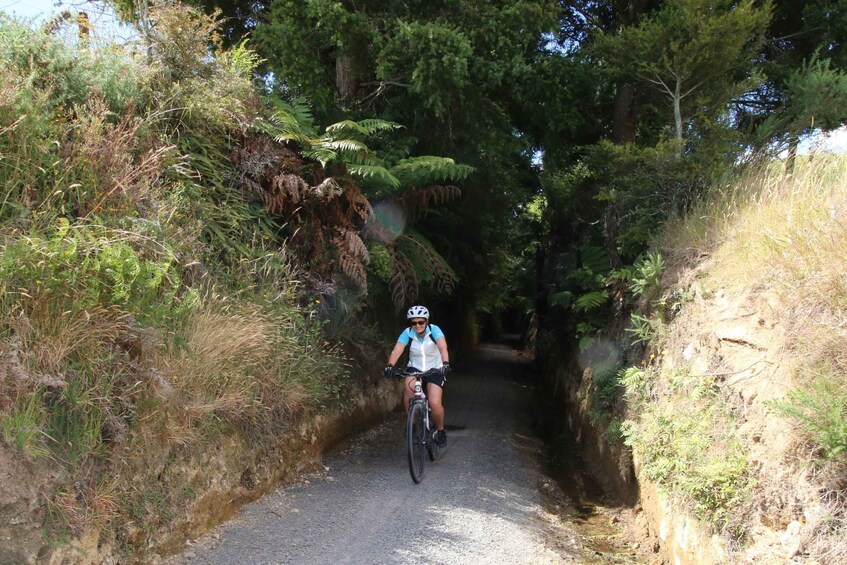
{"x":820,"y":410}
{"x":688,"y":449}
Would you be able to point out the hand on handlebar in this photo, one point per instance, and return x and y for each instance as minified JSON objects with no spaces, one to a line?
{"x":389,"y":371}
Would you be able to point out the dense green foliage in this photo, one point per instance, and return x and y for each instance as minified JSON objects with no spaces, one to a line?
{"x":508,"y":163}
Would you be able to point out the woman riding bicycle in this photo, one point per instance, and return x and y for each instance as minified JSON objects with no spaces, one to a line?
{"x":427,"y":350}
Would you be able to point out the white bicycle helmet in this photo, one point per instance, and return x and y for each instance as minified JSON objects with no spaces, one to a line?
{"x":417,"y":312}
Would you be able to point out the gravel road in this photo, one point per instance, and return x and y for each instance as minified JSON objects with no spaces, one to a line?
{"x":480,"y":502}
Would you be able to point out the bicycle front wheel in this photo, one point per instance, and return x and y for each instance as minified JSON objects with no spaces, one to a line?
{"x":416,"y":440}
{"x":431,"y":446}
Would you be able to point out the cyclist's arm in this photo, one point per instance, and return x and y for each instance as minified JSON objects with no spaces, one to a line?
{"x":441,"y":343}
{"x":396,"y":353}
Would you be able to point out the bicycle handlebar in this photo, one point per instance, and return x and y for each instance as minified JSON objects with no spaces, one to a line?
{"x":401,"y":373}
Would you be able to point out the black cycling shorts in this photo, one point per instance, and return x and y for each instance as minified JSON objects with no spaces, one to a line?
{"x":437,"y":379}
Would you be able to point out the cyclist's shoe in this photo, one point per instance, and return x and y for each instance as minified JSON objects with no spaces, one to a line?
{"x":440,"y":438}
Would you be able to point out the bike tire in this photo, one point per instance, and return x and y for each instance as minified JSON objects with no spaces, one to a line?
{"x":416,"y":441}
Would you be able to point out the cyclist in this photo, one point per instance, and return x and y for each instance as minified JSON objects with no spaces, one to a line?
{"x":427,"y":350}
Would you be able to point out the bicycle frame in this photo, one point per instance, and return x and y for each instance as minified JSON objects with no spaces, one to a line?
{"x":417,"y":440}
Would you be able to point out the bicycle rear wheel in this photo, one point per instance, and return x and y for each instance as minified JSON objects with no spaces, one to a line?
{"x":416,"y":440}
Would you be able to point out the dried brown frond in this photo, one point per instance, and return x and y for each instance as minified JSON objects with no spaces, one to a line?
{"x":417,"y":201}
{"x":352,"y":257}
{"x":354,"y":244}
{"x":327,"y":189}
{"x":358,"y":204}
{"x":324,"y":215}
{"x":404,"y":283}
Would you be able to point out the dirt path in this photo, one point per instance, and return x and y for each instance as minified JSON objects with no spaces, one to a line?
{"x":486,"y":500}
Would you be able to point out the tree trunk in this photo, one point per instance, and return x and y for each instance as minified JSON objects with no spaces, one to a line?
{"x":623,"y":119}
{"x":611,"y":232}
{"x":793,"y":143}
{"x":677,"y":116}
{"x":144,"y":20}
{"x":345,"y":82}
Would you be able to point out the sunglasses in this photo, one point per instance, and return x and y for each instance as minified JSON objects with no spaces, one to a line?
{"x":419,"y":323}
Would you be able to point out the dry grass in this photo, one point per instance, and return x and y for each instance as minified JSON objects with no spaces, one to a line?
{"x":782,"y":233}
{"x":220,"y":355}
{"x":40,"y":347}
{"x":236,"y":362}
{"x":786,"y":236}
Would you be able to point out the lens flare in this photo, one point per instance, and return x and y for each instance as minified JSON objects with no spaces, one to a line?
{"x":391,"y":220}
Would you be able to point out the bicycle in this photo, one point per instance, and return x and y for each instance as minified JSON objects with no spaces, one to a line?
{"x":418,"y":424}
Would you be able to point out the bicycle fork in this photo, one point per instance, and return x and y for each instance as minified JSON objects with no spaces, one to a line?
{"x":427,"y":412}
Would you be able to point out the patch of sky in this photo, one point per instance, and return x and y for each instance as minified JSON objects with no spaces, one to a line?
{"x":104,"y":24}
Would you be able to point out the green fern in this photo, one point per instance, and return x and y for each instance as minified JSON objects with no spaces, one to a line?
{"x":591,"y":301}
{"x":427,"y":169}
{"x":647,"y":274}
{"x":374,"y":173}
{"x":562,"y":299}
{"x":364,"y":128}
{"x":632,"y":379}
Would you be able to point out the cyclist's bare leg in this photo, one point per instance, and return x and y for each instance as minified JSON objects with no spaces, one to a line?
{"x":408,"y":392}
{"x":434,"y":395}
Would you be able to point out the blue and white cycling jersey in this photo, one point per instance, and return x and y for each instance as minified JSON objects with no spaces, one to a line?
{"x":423,"y":353}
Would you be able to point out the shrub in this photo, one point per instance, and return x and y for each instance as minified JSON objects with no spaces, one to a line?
{"x":689,"y":450}
{"x":820,"y":409}
{"x":82,"y":268}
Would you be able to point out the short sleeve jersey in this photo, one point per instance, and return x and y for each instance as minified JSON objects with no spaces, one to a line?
{"x":423,"y":353}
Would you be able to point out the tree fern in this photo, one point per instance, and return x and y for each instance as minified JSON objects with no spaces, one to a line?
{"x":419,"y":171}
{"x":364,"y":128}
{"x":374,"y":173}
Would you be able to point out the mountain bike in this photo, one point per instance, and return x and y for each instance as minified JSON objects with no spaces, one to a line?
{"x":419,"y":426}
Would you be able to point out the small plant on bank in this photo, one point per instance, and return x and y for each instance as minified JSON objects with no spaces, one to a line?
{"x":820,"y":410}
{"x":646,"y":329}
{"x":633,"y":380}
{"x":681,"y":452}
{"x":22,"y":427}
{"x":647,"y":275}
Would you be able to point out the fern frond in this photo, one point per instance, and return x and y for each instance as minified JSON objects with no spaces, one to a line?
{"x":417,"y":201}
{"x":591,"y":300}
{"x":289,"y":122}
{"x":365,"y":127}
{"x":562,"y":299}
{"x":293,"y":136}
{"x":319,"y":153}
{"x":298,"y":111}
{"x":355,"y":246}
{"x":417,"y":171}
{"x":328,"y":189}
{"x":374,"y":173}
{"x":430,"y":266}
{"x":358,"y":204}
{"x":404,"y":282}
{"x":373,"y":125}
{"x":595,"y":259}
{"x":351,"y":145}
{"x":346,"y":127}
